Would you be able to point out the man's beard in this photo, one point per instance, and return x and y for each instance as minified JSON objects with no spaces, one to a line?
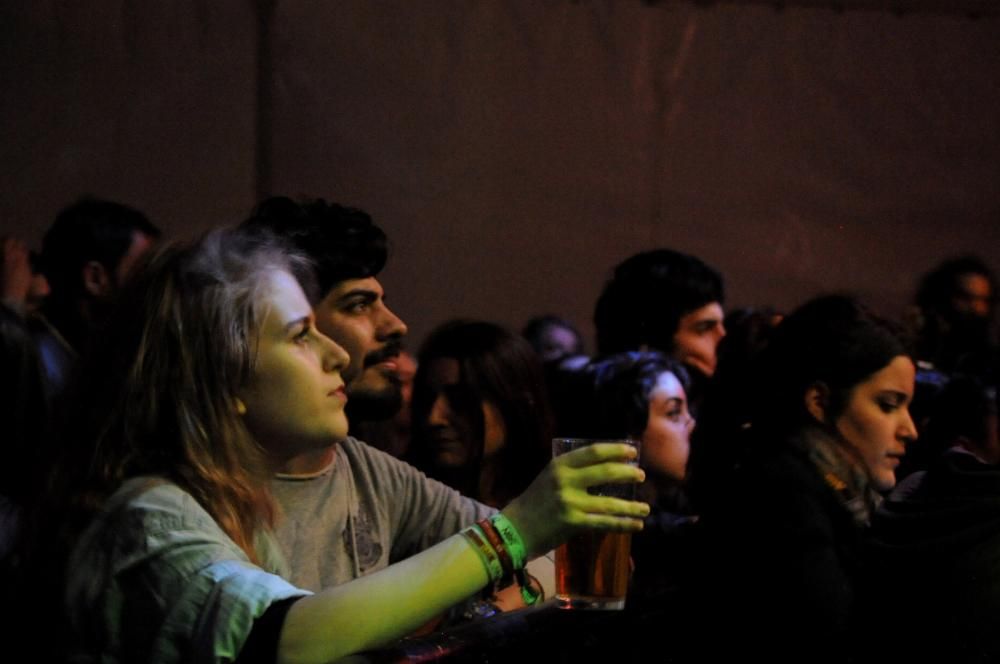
{"x":374,"y":405}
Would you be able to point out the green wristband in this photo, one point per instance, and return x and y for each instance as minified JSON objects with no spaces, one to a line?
{"x":528,"y":593}
{"x":511,"y":539}
{"x":494,"y":568}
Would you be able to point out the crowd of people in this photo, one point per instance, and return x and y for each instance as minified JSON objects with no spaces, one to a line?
{"x":223,"y":450}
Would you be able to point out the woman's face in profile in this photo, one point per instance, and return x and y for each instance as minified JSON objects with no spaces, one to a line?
{"x":666,"y":439}
{"x":876,"y":420}
{"x":295,"y":399}
{"x":449,"y":426}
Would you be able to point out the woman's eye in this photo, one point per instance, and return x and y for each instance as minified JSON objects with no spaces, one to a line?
{"x":887,"y":406}
{"x":675,"y":414}
{"x":303,"y":335}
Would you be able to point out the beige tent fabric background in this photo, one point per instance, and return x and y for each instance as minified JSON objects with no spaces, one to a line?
{"x":515,"y":150}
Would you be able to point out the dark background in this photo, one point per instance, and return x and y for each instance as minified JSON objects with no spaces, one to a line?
{"x":515,"y":150}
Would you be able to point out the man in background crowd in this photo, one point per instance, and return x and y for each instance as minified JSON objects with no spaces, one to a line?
{"x":88,"y":254}
{"x":664,"y":300}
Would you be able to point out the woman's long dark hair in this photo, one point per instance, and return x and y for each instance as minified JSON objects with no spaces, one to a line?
{"x":831,"y":341}
{"x":498,"y":367}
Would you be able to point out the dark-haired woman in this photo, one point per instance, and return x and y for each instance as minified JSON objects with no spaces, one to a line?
{"x":642,"y":395}
{"x":783,"y":565}
{"x":481,"y":420}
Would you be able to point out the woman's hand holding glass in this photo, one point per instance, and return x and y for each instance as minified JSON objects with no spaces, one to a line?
{"x":557,"y":505}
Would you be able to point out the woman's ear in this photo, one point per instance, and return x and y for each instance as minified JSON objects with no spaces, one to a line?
{"x":817,"y":401}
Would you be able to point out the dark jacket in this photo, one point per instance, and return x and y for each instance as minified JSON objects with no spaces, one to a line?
{"x":782,"y":562}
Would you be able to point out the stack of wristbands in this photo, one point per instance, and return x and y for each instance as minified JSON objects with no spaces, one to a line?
{"x":502,"y":551}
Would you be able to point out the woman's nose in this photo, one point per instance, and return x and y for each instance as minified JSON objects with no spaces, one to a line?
{"x":335,"y":357}
{"x":440,"y":411}
{"x":909,"y":429}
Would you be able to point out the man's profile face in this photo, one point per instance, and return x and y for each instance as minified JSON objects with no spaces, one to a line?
{"x":353,"y":313}
{"x":698,"y":335}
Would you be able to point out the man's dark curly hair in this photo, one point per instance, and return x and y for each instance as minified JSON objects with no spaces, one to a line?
{"x":648,"y":295}
{"x":342,"y":242}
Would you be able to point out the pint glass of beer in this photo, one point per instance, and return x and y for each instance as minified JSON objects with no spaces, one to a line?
{"x":592,"y":568}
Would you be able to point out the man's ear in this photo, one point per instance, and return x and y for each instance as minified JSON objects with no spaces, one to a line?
{"x":817,"y":401}
{"x":96,"y":280}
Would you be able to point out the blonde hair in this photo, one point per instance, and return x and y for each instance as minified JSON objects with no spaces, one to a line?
{"x":161,"y":391}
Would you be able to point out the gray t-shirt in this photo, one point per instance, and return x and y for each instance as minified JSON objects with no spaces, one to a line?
{"x":362,"y":513}
{"x":155,"y":579}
